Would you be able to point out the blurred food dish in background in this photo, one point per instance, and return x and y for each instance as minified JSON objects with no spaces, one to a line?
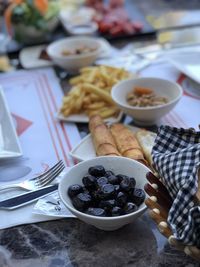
{"x":109,"y":19}
{"x":70,"y":53}
{"x":113,"y":19}
{"x":29,"y":21}
{"x":36,"y":56}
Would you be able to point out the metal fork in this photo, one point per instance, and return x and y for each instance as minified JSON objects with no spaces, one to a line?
{"x":40,"y":180}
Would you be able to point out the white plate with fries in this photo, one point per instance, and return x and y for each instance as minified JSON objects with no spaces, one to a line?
{"x":90,"y":94}
{"x":85,"y":149}
{"x":83,"y":118}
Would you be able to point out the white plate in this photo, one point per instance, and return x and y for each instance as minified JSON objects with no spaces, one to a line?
{"x":9,"y":143}
{"x":188,"y":63}
{"x":85,"y":149}
{"x":84,"y":118}
{"x":29,"y":57}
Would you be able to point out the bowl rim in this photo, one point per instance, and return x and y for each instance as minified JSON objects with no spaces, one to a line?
{"x":178,"y":87}
{"x":78,"y":56}
{"x":73,"y":210}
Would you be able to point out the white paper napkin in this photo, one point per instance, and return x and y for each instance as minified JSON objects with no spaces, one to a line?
{"x":45,"y":209}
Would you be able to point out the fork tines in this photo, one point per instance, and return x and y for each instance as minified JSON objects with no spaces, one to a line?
{"x":51,"y":174}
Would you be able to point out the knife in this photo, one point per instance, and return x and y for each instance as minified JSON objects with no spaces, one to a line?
{"x":27,"y":198}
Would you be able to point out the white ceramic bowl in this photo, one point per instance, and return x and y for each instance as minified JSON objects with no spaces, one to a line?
{"x":117,"y":165}
{"x":147,"y":115}
{"x":73,"y":63}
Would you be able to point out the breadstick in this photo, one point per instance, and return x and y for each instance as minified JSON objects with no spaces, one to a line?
{"x":102,"y":139}
{"x":126,"y":142}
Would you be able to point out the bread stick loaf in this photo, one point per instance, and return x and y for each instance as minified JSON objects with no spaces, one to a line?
{"x":107,"y":150}
{"x":94,"y":121}
{"x":126,"y":142}
{"x":102,"y":139}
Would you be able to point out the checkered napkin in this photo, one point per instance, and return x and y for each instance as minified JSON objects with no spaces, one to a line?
{"x":176,"y":156}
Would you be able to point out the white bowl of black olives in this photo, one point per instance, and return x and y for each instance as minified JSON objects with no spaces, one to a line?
{"x":106,"y":192}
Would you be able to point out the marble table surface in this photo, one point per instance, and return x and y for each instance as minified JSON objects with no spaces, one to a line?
{"x":70,"y":242}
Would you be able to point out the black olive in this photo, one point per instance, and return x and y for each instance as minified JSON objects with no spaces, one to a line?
{"x":89,"y":182}
{"x":97,"y":171}
{"x":108,"y":173}
{"x":137,"y":196}
{"x":107,"y":204}
{"x":74,"y":190}
{"x":121,"y":177}
{"x":107,"y":191}
{"x":116,"y":211}
{"x":85,"y":190}
{"x":132,"y":182}
{"x":130,"y":207}
{"x":82,"y":201}
{"x":112,"y":179}
{"x":101,"y":181}
{"x":117,"y":188}
{"x":96,"y":212}
{"x":125,"y":184}
{"x":95,"y":198}
{"x":121,"y":199}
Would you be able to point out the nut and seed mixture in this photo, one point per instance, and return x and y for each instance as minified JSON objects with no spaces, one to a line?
{"x":145,"y":97}
{"x":77,"y":51}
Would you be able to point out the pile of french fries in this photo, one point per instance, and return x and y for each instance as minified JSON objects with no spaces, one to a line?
{"x":90,"y":92}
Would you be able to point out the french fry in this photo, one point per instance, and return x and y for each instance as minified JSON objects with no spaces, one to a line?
{"x":96,"y":105}
{"x":104,"y":112}
{"x":65,"y":112}
{"x":79,"y":101}
{"x":88,"y":69}
{"x":94,"y":97}
{"x":66,"y":99}
{"x":76,"y":80}
{"x":75,"y":92}
{"x":90,"y":92}
{"x":87,"y":100}
{"x":102,"y":94}
{"x":108,"y":112}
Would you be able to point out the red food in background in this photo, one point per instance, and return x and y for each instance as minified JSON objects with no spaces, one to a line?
{"x":113,"y":19}
{"x":116,"y":3}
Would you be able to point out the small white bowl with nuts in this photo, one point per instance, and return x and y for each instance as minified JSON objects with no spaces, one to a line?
{"x":73,"y":53}
{"x":146,"y":99}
